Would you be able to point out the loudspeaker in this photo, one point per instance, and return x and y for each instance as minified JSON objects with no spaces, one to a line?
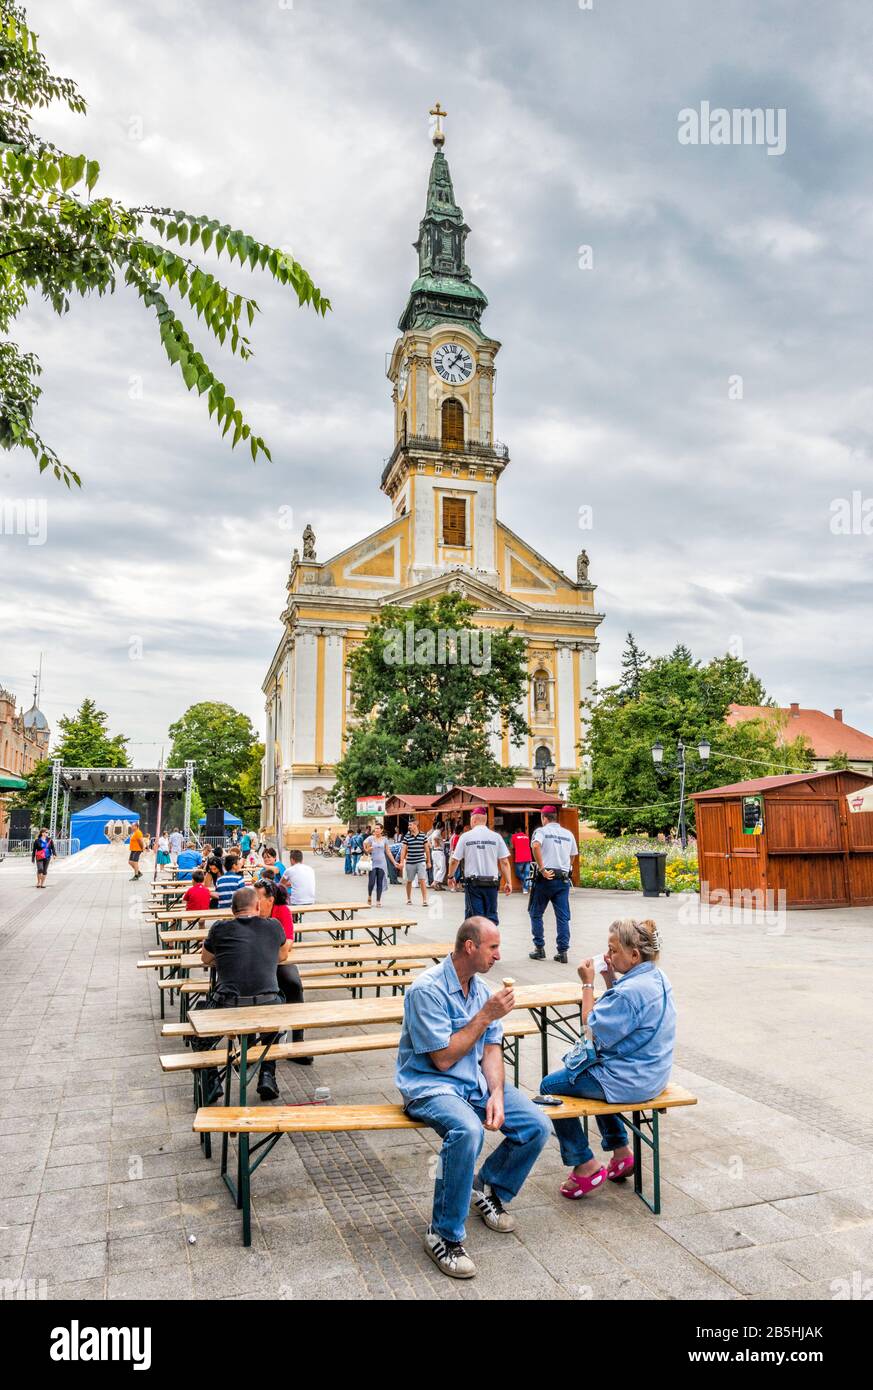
{"x":19,"y":823}
{"x":214,"y":831}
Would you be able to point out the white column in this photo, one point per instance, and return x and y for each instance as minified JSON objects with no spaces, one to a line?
{"x":305,"y":669}
{"x":566,"y":711}
{"x":495,"y":739}
{"x":333,"y":697}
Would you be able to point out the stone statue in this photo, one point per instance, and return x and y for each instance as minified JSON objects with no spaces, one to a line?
{"x":582,"y":563}
{"x":309,"y":543}
{"x":295,"y":558}
{"x":541,"y":693}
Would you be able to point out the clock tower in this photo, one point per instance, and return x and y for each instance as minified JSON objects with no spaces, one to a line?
{"x":446,"y":462}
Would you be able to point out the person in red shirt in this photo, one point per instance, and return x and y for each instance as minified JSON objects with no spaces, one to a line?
{"x":197,"y":897}
{"x":273,"y":902}
{"x":522,"y":857}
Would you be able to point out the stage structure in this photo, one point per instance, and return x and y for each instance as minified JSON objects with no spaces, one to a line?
{"x":101,"y":779}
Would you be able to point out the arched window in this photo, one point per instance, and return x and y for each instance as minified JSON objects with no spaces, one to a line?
{"x":543,"y":756}
{"x":403,"y":427}
{"x":453,"y":424}
{"x":541,"y":686}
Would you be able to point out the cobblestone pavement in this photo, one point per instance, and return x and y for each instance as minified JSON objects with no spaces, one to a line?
{"x":766,"y":1183}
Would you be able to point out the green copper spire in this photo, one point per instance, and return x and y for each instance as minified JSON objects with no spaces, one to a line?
{"x":444,"y":289}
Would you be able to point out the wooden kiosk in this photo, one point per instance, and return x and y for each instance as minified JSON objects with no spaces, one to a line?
{"x":793,"y":833}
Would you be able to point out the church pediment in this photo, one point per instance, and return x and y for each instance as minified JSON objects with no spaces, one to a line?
{"x":469,"y":586}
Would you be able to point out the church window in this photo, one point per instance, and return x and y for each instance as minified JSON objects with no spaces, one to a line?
{"x":453,"y":424}
{"x":454,"y":521}
{"x":403,"y":427}
{"x":541,"y":691}
{"x":543,"y":756}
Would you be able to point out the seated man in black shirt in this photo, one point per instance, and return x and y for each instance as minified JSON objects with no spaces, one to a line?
{"x":245,"y":953}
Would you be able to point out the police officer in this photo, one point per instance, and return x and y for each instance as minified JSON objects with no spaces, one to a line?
{"x":485,"y":858}
{"x":553,"y":848}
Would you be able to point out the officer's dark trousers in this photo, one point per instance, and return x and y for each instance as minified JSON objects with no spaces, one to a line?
{"x":557,"y":892}
{"x":480,"y":902}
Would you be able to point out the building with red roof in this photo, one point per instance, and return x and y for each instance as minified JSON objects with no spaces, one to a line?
{"x":827,"y":734}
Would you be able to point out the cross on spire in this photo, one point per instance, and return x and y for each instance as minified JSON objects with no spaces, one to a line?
{"x":439,"y":135}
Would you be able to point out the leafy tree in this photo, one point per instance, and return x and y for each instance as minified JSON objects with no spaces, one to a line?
{"x":423,"y":718}
{"x":220,"y":741}
{"x":84,"y":741}
{"x":678,"y":698}
{"x":58,"y":240}
{"x":839,"y":762}
{"x":249,"y":804}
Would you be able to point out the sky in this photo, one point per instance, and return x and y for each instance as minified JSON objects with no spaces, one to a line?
{"x":686,"y":354}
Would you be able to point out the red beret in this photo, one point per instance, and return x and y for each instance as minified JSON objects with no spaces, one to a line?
{"x":478,"y":811}
{"x":549,"y":810}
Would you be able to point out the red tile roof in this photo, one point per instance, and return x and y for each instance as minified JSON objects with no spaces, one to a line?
{"x":826,"y":734}
{"x":765,"y":784}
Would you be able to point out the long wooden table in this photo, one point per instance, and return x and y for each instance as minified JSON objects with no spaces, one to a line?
{"x":548,"y":1005}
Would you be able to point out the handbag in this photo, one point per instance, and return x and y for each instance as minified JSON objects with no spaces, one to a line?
{"x":583,"y":1054}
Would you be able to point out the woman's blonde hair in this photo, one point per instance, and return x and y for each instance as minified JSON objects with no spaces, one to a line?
{"x":638,"y":936}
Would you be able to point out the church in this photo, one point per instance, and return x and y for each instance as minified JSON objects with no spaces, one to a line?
{"x":443,"y":533}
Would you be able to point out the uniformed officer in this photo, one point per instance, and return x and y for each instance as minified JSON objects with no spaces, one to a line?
{"x":554,"y":849}
{"x":485,"y":857}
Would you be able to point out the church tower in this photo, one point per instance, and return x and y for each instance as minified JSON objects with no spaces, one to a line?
{"x":443,"y":535}
{"x":446,"y":462}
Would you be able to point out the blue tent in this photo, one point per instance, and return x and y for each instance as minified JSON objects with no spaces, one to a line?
{"x":87,"y":826}
{"x":229,"y":819}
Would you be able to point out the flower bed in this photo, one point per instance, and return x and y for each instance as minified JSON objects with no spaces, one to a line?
{"x":612,"y":864}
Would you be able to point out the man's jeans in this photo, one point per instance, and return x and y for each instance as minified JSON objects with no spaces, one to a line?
{"x":460,"y":1124}
{"x":480,"y":902}
{"x":571,"y":1136}
{"x":522,"y":868}
{"x":557,"y":892}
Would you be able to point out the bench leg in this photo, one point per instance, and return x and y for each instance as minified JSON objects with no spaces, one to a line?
{"x":245,"y":1188}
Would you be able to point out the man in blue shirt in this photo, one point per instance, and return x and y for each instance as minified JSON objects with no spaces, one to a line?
{"x":227,"y":883}
{"x":450,"y":1073}
{"x":189,"y":859}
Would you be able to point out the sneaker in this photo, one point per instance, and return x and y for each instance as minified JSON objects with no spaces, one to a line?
{"x":538,"y":954}
{"x":492,"y":1210}
{"x":448,"y":1256}
{"x":561,"y":957}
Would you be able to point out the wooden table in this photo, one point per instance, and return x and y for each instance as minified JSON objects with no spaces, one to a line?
{"x":547,"y":1004}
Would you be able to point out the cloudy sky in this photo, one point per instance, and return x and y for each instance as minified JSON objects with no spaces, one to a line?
{"x":704,"y":387}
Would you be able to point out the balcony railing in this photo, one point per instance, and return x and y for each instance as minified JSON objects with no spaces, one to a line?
{"x":471,"y":448}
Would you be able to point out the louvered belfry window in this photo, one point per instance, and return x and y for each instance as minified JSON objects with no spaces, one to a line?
{"x":453,"y":424}
{"x":454,"y":521}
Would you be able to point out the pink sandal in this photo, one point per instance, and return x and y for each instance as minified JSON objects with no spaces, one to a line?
{"x":620,"y":1168}
{"x":576,"y":1187}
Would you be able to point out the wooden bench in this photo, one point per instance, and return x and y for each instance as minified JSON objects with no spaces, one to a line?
{"x":272,"y":1121}
{"x":397,"y":980}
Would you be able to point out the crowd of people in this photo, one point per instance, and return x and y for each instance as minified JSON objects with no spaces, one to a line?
{"x":450,"y":1067}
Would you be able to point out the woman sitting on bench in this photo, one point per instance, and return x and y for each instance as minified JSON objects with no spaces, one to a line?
{"x":625,"y":1053}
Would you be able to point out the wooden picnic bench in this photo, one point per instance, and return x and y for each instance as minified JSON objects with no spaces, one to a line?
{"x":272,"y":1121}
{"x":381,"y":932}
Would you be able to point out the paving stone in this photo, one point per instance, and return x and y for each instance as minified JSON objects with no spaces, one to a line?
{"x":145,"y":1252}
{"x":60,"y":1264}
{"x":708,"y":1232}
{"x":148,"y":1218}
{"x":758,"y":1270}
{"x":154,"y":1285}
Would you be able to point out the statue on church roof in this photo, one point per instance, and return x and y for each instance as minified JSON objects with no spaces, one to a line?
{"x":582,"y":563}
{"x":309,"y":543}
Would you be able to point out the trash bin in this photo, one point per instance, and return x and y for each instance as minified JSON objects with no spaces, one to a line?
{"x":653,"y":872}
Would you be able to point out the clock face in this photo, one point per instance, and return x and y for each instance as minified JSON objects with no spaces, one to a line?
{"x":453,"y":363}
{"x":402,"y":379}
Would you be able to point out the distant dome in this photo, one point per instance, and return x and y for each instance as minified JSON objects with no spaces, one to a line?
{"x":35,"y":719}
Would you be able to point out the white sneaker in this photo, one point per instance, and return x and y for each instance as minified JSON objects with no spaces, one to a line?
{"x":448,"y":1256}
{"x":492,"y":1210}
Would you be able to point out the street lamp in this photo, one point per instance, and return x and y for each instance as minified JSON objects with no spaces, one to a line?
{"x":547,"y":772}
{"x":680,"y":765}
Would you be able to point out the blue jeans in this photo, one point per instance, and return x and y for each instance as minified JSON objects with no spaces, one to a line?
{"x":460,"y":1125}
{"x":575,"y":1147}
{"x":557,"y":892}
{"x":376,"y":879}
{"x":523,"y":871}
{"x":480,"y":902}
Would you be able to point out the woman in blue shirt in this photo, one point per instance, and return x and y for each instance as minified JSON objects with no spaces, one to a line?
{"x":633,"y":1029}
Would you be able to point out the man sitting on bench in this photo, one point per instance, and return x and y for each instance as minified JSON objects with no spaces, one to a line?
{"x":245,"y":953}
{"x":450,"y":1074}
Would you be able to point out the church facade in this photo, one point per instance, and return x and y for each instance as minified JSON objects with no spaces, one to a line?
{"x":441,"y":483}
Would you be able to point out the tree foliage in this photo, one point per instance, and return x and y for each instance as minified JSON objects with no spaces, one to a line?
{"x":420,"y":719}
{"x":84,"y":741}
{"x":220,"y":741}
{"x":677,"y":698}
{"x":58,"y":240}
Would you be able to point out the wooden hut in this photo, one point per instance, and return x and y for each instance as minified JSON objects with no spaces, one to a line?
{"x":793,"y":833}
{"x":509,"y":809}
{"x":399,"y":808}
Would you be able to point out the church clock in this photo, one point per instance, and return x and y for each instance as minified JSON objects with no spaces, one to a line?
{"x":453,"y":363}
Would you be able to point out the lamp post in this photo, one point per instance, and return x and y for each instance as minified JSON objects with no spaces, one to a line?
{"x":680,"y":765}
{"x":547,"y":772}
